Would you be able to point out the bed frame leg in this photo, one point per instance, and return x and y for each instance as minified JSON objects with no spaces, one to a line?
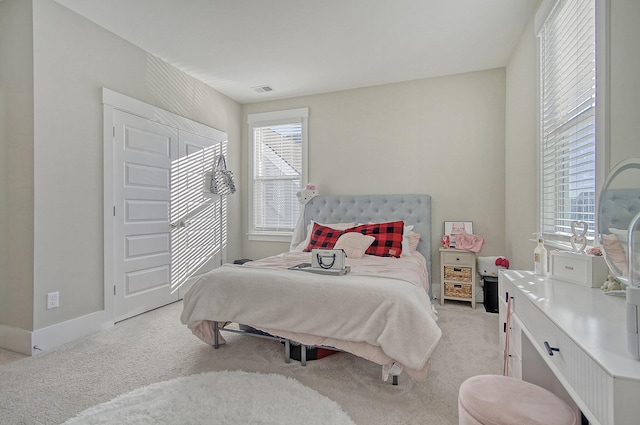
{"x":303,"y":354}
{"x":216,"y":342}
{"x":395,"y":379}
{"x":287,"y":351}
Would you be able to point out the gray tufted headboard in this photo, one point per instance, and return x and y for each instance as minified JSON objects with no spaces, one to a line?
{"x":617,"y":208}
{"x":413,"y":209}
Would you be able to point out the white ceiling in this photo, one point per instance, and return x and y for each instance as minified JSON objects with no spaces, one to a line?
{"x":301,"y":47}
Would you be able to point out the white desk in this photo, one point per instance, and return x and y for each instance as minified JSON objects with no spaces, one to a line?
{"x":588,"y":328}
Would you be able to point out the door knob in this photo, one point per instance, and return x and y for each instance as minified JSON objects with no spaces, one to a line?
{"x":176,"y":225}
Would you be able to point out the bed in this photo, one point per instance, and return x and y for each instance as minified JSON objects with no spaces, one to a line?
{"x":381,"y":311}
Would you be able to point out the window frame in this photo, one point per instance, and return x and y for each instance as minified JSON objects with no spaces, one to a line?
{"x":263,"y":119}
{"x":602,"y":40}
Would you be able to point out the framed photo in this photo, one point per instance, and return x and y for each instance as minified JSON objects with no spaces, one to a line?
{"x":452,"y":228}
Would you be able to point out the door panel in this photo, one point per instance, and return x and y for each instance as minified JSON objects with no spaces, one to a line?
{"x":198,"y":241}
{"x":136,"y":246}
{"x":144,"y":152}
{"x":148,"y":211}
{"x":147,"y":279}
{"x":163,"y":223}
{"x":167,"y":227}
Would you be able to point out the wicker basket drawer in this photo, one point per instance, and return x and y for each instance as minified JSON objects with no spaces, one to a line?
{"x":457,"y":290}
{"x":459,"y":274}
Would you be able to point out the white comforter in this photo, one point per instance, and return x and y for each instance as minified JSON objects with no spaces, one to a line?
{"x":380,"y":311}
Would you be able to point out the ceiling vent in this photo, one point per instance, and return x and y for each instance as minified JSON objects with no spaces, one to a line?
{"x":262,"y":89}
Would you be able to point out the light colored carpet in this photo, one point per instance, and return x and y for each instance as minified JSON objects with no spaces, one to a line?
{"x":155,"y":347}
{"x":224,"y":398}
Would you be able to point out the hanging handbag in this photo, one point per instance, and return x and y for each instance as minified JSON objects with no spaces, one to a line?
{"x":222,"y":182}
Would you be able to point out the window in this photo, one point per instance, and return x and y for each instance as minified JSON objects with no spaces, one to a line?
{"x":567,"y":53}
{"x":278,"y":152}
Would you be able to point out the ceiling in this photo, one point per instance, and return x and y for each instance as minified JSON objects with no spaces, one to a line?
{"x":300,"y":47}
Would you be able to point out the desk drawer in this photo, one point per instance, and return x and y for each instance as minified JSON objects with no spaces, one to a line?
{"x":588,"y":380}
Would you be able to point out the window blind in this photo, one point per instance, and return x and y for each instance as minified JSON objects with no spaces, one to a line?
{"x":567,"y":118}
{"x":277,"y":176}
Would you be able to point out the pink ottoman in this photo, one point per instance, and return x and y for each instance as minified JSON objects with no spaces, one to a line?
{"x":501,"y":400}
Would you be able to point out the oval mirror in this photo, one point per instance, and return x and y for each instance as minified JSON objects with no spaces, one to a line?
{"x":618,"y":221}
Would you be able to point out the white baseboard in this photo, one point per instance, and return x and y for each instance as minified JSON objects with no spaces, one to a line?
{"x":36,"y":342}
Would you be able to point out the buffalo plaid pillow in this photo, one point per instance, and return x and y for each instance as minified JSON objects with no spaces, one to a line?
{"x":388,"y":236}
{"x":323,"y":237}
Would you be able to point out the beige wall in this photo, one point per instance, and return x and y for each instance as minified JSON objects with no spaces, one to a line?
{"x":72,"y":60}
{"x":469,"y":140}
{"x":521,"y":143}
{"x":16,"y":165}
{"x":441,"y":136}
{"x":521,"y":129}
{"x":624,"y":129}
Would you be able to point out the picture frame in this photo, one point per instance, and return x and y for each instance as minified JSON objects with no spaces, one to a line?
{"x":452,"y":228}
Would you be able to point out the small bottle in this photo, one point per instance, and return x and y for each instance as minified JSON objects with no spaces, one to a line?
{"x":540,"y":259}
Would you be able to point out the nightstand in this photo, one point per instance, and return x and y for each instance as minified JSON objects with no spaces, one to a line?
{"x":457,"y":275}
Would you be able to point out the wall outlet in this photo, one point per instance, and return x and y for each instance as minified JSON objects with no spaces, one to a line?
{"x":53,"y":300}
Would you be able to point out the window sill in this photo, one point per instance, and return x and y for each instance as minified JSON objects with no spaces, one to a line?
{"x":270,"y":237}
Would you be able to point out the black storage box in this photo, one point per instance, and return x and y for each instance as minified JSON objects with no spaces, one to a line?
{"x":490,"y":294}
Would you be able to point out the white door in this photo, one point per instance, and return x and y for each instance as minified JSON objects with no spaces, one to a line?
{"x":196,"y":241}
{"x":144,"y":153}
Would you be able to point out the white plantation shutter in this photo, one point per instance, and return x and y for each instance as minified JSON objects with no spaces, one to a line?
{"x":568,"y":118}
{"x":278,"y":169}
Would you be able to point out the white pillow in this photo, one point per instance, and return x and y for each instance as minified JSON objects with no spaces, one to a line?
{"x":414,"y":240}
{"x":354,"y":244}
{"x":406,"y":251}
{"x":623,"y":235}
{"x":338,"y":226}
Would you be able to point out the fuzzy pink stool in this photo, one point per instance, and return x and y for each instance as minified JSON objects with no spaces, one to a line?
{"x":501,"y":400}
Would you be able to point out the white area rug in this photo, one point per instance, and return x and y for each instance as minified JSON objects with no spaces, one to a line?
{"x":219,"y":398}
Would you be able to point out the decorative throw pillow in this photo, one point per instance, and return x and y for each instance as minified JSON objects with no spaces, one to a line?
{"x":414,"y":239}
{"x":406,"y":252}
{"x":354,"y":244}
{"x":323,"y":237}
{"x":388,"y":237}
{"x":338,"y":226}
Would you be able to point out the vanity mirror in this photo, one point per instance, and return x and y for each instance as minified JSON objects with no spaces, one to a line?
{"x":619,"y":231}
